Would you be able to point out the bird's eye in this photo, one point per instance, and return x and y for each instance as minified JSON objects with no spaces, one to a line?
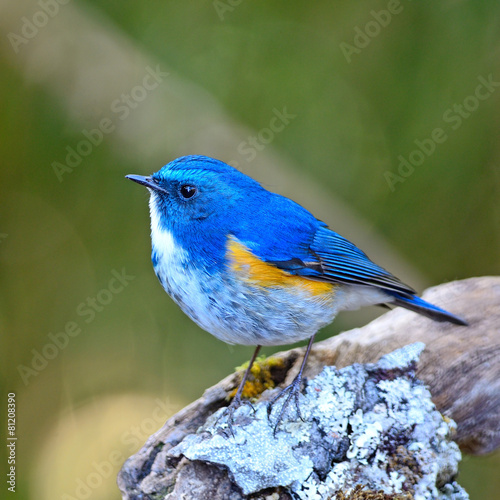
{"x":188,"y":191}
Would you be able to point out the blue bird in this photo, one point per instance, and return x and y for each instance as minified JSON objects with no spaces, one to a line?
{"x":252,"y":267}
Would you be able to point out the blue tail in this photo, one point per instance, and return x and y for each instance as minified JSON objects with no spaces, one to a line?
{"x":416,"y":304}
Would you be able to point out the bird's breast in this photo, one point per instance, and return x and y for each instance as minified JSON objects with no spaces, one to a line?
{"x":244,"y":300}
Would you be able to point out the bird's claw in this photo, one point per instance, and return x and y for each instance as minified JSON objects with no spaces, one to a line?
{"x":229,"y":411}
{"x":293,"y":391}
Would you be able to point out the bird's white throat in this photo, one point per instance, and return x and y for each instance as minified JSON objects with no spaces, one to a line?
{"x":163,"y":241}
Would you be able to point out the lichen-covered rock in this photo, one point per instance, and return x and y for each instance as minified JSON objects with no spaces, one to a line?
{"x":459,"y":365}
{"x":370,"y":425}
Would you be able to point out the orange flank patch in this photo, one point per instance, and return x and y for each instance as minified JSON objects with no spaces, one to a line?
{"x":257,"y":272}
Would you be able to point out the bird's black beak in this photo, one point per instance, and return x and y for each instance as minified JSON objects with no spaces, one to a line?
{"x":146,"y":181}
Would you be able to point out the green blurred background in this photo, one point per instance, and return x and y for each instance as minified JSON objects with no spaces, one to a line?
{"x":222,"y":71}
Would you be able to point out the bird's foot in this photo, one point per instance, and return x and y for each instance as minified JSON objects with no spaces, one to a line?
{"x":289,"y":392}
{"x":228,"y":413}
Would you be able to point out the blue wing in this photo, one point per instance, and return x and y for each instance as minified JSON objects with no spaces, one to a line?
{"x":281,"y":232}
{"x":329,"y":257}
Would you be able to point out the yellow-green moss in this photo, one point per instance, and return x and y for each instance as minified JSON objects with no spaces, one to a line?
{"x":259,"y":378}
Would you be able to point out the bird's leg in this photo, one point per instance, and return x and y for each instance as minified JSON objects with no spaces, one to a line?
{"x":293,"y":391}
{"x":237,"y":401}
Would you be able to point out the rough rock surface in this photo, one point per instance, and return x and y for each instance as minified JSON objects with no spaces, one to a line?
{"x":459,"y":364}
{"x":355,"y":421}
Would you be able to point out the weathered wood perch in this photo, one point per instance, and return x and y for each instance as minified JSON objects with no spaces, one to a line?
{"x":460,"y":366}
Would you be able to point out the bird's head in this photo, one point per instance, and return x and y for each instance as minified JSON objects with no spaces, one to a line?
{"x":196,"y":194}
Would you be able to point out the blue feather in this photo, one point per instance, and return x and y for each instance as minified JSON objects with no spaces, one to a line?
{"x":418,"y":305}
